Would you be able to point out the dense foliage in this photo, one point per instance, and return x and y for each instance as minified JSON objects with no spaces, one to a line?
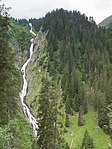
{"x":80,"y":55}
{"x":36,"y":23}
{"x":48,"y":133}
{"x":20,"y":34}
{"x":9,"y":76}
{"x":14,"y":129}
{"x":80,"y":59}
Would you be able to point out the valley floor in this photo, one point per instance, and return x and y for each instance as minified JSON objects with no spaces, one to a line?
{"x":75,"y":133}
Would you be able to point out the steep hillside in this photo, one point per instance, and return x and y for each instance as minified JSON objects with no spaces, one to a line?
{"x":106,"y":22}
{"x":80,"y":61}
{"x":80,"y":57}
{"x":69,"y":82}
{"x":20,"y":40}
{"x":36,"y":71}
{"x":15,"y":130}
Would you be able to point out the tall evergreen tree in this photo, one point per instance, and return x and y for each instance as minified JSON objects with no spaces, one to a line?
{"x":45,"y":121}
{"x":103,"y":120}
{"x":8,"y":73}
{"x":67,"y":121}
{"x":81,"y":121}
{"x":110,"y":119}
{"x":67,"y":106}
{"x":48,"y":135}
{"x":87,"y":142}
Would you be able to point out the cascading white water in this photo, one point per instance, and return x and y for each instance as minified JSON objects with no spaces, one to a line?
{"x":23,"y":93}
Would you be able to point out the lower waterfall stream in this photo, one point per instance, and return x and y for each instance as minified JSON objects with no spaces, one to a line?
{"x":23,"y":93}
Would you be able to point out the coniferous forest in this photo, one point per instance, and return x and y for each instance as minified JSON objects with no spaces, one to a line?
{"x":69,"y":82}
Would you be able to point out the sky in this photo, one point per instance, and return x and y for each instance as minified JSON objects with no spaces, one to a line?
{"x":99,"y":9}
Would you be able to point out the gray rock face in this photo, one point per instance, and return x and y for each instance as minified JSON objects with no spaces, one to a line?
{"x":36,"y":41}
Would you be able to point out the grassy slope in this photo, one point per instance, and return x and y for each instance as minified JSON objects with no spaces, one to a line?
{"x":106,"y":22}
{"x":75,"y":133}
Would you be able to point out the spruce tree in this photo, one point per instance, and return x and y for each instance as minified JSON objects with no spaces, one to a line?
{"x":67,"y":121}
{"x":67,"y":106}
{"x":45,"y":132}
{"x":8,"y":73}
{"x":87,"y":142}
{"x":109,"y":108}
{"x":49,"y":134}
{"x":81,"y":121}
{"x":103,"y":120}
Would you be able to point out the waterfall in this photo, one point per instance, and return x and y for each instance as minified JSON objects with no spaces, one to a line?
{"x":23,"y":93}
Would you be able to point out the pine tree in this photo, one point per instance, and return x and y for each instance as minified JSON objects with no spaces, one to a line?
{"x":109,"y":108}
{"x":85,"y":106}
{"x":103,"y":120}
{"x":87,"y":142}
{"x":8,"y":73}
{"x":67,"y":106}
{"x":81,"y":121}
{"x":67,"y":121}
{"x":49,"y":136}
{"x":85,"y":102}
{"x":45,"y":121}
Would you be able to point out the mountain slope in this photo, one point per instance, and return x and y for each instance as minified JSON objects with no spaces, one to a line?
{"x":69,"y":83}
{"x":15,"y":131}
{"x":80,"y":59}
{"x":106,"y":22}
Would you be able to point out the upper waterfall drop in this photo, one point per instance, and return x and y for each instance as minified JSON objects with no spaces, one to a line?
{"x":23,"y":93}
{"x":31,"y":29}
